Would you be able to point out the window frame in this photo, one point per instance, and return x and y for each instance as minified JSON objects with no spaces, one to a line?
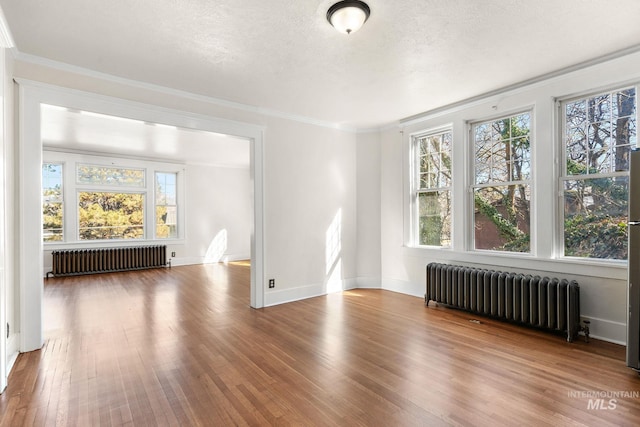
{"x":472,"y":185}
{"x":156,"y":204}
{"x":563,"y":176}
{"x":416,"y":190}
{"x":63,"y":167}
{"x":72,"y":189}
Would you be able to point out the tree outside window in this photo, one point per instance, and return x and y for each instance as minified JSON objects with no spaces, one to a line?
{"x":598,"y":133}
{"x":433,"y":188}
{"x":110,"y":215}
{"x":166,"y":205}
{"x":502,"y":189}
{"x":52,"y":202}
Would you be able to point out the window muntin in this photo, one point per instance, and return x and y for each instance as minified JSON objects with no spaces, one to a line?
{"x":501,"y":185}
{"x":52,"y":202}
{"x":433,"y":189}
{"x":598,"y":134}
{"x":110,"y":176}
{"x":166,"y":212}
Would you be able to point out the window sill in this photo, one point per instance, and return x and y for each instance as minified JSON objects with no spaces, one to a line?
{"x":523,"y":262}
{"x":52,"y":246}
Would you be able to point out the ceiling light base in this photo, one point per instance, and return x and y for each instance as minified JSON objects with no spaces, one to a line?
{"x":348,"y":16}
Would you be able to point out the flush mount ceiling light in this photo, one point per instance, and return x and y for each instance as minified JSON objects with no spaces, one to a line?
{"x":348,"y":16}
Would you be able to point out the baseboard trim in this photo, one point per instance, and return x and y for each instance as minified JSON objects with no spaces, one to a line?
{"x":182,"y":261}
{"x":404,"y":287}
{"x":276,"y":297}
{"x":607,"y":330}
{"x":12,"y":351}
{"x":601,"y":329}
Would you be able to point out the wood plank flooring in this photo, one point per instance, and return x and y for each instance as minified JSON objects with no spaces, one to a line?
{"x":182,"y":347}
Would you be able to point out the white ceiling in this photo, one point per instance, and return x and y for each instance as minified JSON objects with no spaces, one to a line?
{"x":79,"y":131}
{"x":410,"y":57}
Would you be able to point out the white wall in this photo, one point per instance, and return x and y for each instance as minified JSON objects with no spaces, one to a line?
{"x":219,"y":215}
{"x":368,"y":168}
{"x":310,"y":192}
{"x":603,"y":285}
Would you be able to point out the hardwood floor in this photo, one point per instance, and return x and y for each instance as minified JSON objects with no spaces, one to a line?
{"x":181,"y":346}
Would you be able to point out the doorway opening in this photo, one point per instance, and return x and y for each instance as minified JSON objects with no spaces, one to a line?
{"x":93,"y":129}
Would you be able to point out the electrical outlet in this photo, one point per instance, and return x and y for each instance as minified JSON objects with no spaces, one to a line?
{"x":173,"y":254}
{"x":272,"y":283}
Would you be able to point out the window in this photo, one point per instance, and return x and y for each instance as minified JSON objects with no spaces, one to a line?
{"x":108,"y":215}
{"x":501,"y":187}
{"x":166,"y":205}
{"x":106,"y":201}
{"x":432,"y":183}
{"x":598,"y":134}
{"x":52,"y":202}
{"x":101,"y":175}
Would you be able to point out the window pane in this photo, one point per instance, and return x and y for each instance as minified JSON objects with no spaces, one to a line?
{"x":599,"y":132}
{"x":52,"y":202}
{"x":434,"y":213}
{"x":52,"y":221}
{"x":502,"y":150}
{"x":166,"y":205}
{"x":595,"y":217}
{"x":105,"y":215}
{"x":435,"y":161}
{"x":165,"y":188}
{"x":166,"y":222}
{"x":101,"y":175}
{"x":501,"y":220}
{"x":52,"y":181}
{"x":433,"y":198}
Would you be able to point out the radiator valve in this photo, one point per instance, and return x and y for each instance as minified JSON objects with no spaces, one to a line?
{"x":585,"y":329}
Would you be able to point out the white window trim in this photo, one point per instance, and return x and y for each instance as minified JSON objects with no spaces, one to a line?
{"x":71,"y":190}
{"x":471,"y":185}
{"x":414,"y":170}
{"x":179,"y":191}
{"x":561,"y":177}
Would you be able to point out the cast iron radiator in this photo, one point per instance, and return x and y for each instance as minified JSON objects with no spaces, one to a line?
{"x":545,"y":303}
{"x":90,"y":261}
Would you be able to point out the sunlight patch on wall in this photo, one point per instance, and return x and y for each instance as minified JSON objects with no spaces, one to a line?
{"x":217,"y":248}
{"x":333,"y":250}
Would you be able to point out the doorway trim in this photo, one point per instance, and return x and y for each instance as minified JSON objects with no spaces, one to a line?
{"x":31,"y":95}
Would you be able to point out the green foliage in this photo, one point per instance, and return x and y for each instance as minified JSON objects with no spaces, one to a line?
{"x":506,"y":228}
{"x":596,"y":236}
{"x":163,"y":230}
{"x":104,"y":215}
{"x":52,"y":221}
{"x":431,"y":231}
{"x":515,"y":240}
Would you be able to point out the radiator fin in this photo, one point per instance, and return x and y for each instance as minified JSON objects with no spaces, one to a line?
{"x":90,"y":261}
{"x":542,"y":302}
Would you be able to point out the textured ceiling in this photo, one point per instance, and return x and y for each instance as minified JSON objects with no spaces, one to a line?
{"x":410,"y":57}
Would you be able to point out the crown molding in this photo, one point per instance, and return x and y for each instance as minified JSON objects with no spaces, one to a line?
{"x":61,"y":66}
{"x":526,"y":84}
